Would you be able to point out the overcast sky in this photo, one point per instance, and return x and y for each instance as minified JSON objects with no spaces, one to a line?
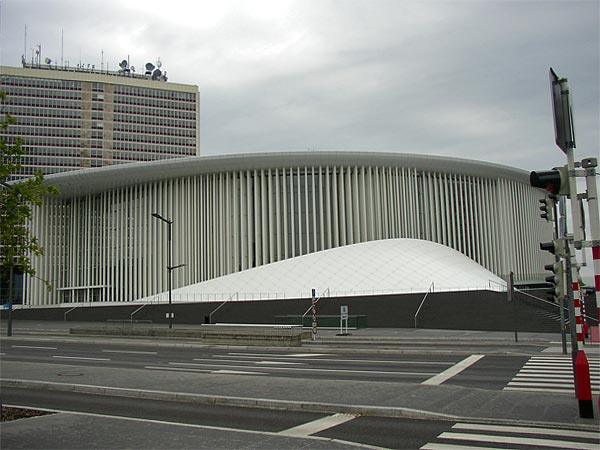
{"x":455,"y":78}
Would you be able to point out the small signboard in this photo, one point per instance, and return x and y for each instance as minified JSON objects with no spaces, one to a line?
{"x":344,"y":312}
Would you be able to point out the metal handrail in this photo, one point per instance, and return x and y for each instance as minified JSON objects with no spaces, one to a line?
{"x":431,"y":287}
{"x":136,"y":311}
{"x":550,"y":303}
{"x":316,"y":301}
{"x":67,"y":312}
{"x":210,"y":315}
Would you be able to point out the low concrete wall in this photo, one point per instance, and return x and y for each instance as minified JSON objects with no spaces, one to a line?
{"x":473,"y":310}
{"x":277,"y":336}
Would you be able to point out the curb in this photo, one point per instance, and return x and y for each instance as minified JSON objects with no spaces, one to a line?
{"x":307,"y":346}
{"x":288,"y":405}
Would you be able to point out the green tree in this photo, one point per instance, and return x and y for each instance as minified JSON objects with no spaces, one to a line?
{"x":17,"y":200}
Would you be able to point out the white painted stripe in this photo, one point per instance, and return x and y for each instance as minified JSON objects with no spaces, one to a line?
{"x":316,"y":426}
{"x":542,"y":376}
{"x":592,"y":364}
{"x":176,"y":369}
{"x":283,"y":363}
{"x":366,"y":361}
{"x":307,"y":369}
{"x":564,"y":358}
{"x":591,"y":361}
{"x":280,"y":355}
{"x":193,"y":425}
{"x":549,"y":390}
{"x":549,"y":365}
{"x":453,"y":371}
{"x":534,"y":384}
{"x":528,"y":430}
{"x":81,"y":358}
{"x":35,"y":347}
{"x":237,"y":372}
{"x":519,"y":440}
{"x":440,"y":446}
{"x":132,"y":352}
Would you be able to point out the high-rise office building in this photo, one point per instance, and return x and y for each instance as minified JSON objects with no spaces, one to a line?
{"x":75,"y":118}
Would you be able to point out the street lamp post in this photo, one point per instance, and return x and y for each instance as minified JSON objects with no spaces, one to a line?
{"x":169,"y":267}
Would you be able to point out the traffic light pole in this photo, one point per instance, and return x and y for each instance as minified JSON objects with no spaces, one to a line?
{"x":577,"y":238}
{"x":560,"y":221}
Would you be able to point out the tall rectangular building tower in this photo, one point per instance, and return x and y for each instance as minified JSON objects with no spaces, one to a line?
{"x":76,"y":118}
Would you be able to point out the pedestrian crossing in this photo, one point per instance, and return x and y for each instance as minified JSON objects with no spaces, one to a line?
{"x":476,"y":436}
{"x":552,"y":374}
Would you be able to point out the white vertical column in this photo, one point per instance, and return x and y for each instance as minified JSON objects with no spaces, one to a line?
{"x":286,"y":229}
{"x":278,"y":213}
{"x":272,"y":215}
{"x":315,"y":233}
{"x":264,"y":207}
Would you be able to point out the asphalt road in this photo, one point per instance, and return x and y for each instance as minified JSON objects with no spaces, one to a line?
{"x":489,"y":372}
{"x":39,"y":371}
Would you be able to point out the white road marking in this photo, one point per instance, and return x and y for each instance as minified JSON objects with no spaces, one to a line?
{"x":279,"y":355}
{"x":534,"y":384}
{"x":552,"y":375}
{"x":283,"y":363}
{"x":316,"y":426}
{"x":366,"y":361}
{"x":438,"y":446}
{"x":518,"y":440}
{"x":133,"y":352}
{"x":537,"y":374}
{"x":236,"y":372}
{"x":528,"y":430}
{"x":35,"y":347}
{"x":307,"y":369}
{"x":201,"y":427}
{"x":453,"y":371}
{"x":81,"y":358}
{"x":534,"y":389}
{"x":177,"y":369}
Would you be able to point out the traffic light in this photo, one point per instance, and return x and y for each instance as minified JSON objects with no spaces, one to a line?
{"x":556,"y":280}
{"x":556,"y":247}
{"x":555,"y":181}
{"x":547,"y":207}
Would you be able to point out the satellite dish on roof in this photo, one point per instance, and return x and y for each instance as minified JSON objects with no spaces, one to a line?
{"x":149,"y":68}
{"x":156,"y":74}
{"x":123,"y":64}
{"x":133,"y":69}
{"x":48,"y":61}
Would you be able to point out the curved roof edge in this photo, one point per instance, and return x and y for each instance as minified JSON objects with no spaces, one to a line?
{"x":83,"y":182}
{"x":387,"y":266}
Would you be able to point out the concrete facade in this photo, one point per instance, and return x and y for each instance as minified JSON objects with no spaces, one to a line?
{"x":237,"y":212}
{"x":76,"y":118}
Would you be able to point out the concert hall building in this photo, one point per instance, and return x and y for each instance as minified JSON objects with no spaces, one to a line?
{"x":231,"y":214}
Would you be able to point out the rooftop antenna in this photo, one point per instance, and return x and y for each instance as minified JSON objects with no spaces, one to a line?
{"x":102,"y":60}
{"x":25,"y":46}
{"x":62,"y":42}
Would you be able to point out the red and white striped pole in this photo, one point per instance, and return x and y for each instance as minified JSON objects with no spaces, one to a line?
{"x":590,"y":164}
{"x":577,"y":301}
